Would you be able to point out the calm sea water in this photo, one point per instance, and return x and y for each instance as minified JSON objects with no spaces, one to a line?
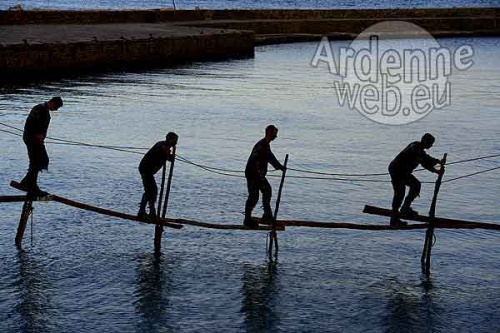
{"x":242,"y":4}
{"x":82,"y":272}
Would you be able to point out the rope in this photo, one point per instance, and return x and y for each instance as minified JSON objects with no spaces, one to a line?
{"x":339,"y":174}
{"x":344,"y":177}
{"x":470,"y":175}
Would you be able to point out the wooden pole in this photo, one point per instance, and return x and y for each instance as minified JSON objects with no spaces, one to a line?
{"x":169,"y":183}
{"x":426,"y":253}
{"x":159,"y":227}
{"x":23,"y":221}
{"x":162,"y":188}
{"x":273,"y":236}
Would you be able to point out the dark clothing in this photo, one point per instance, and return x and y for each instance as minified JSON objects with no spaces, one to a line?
{"x":155,"y":158}
{"x":150,"y":187}
{"x":37,"y":123}
{"x":255,"y":185}
{"x":259,"y":158}
{"x":401,"y":169}
{"x":37,"y":154}
{"x":398,"y":184}
{"x":407,"y":160}
{"x":35,"y":131}
{"x":150,"y":164}
{"x":255,"y":173}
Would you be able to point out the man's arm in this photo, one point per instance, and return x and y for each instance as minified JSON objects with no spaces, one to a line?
{"x":274,"y":161}
{"x":429,"y":162}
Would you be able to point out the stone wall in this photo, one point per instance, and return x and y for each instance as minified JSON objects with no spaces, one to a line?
{"x":18,"y":62}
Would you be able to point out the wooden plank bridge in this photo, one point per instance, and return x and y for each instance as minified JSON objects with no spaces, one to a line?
{"x":425,"y":222}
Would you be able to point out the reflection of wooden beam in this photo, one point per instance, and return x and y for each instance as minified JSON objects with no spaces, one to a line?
{"x":22,"y":198}
{"x":99,"y":210}
{"x":439,"y":222}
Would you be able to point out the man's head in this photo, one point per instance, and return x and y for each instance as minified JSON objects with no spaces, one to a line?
{"x":427,"y":140}
{"x":55,"y":103}
{"x":171,"y":139}
{"x":271,"y":132}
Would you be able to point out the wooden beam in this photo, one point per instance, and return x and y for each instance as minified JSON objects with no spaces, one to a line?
{"x":103,"y":211}
{"x":176,"y":223}
{"x":345,"y":225}
{"x":438,"y":221}
{"x":22,"y":198}
{"x":225,"y":226}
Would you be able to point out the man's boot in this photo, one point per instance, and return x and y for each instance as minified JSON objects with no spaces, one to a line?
{"x":152,"y":210}
{"x":407,"y":210}
{"x":24,"y":181}
{"x":396,"y":222}
{"x":32,"y":186}
{"x":142,"y":208}
{"x":248,"y":222}
{"x":267,"y":217}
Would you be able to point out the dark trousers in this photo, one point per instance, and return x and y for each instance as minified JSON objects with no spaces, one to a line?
{"x":38,"y":161}
{"x":150,"y":188}
{"x":37,"y":154}
{"x":399,"y":182}
{"x":254,"y":185}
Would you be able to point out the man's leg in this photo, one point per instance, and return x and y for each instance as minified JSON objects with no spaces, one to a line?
{"x":414,"y":192}
{"x":399,"y":194}
{"x":39,"y":160}
{"x":267,"y":193}
{"x":150,"y":192}
{"x":253,"y":198}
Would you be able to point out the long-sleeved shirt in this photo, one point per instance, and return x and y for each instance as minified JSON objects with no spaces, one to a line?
{"x":155,"y":158}
{"x":408,"y":159}
{"x":259,"y":158}
{"x":37,"y":123}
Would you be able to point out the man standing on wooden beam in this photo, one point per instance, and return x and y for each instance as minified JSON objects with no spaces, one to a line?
{"x":401,"y":169}
{"x":150,"y":164}
{"x":35,"y":131}
{"x":255,"y":173}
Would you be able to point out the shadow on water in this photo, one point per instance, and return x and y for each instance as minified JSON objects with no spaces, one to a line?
{"x":34,"y":294}
{"x":412,"y":310}
{"x":154,"y":283}
{"x":260,"y":297}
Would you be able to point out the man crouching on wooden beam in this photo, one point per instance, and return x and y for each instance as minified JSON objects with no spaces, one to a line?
{"x":150,"y":164}
{"x":401,"y":169}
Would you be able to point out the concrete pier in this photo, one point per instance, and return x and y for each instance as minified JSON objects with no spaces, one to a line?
{"x":35,"y":50}
{"x":39,"y":43}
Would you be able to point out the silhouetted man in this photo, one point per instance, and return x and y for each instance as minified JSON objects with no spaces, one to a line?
{"x":255,"y":173}
{"x":150,"y":164}
{"x":35,"y":131}
{"x":401,"y":169}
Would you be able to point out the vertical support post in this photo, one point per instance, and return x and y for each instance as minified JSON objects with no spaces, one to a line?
{"x":159,"y":227}
{"x":23,"y":221}
{"x":273,"y":236}
{"x":162,"y":188}
{"x":429,"y":235}
{"x":173,"y":2}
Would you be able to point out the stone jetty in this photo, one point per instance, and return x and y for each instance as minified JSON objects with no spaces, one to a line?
{"x":41,"y":43}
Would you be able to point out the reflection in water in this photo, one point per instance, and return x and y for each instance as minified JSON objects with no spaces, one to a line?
{"x":411,"y":311}
{"x":34,"y":294}
{"x":260,"y":297}
{"x":152,"y":295}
